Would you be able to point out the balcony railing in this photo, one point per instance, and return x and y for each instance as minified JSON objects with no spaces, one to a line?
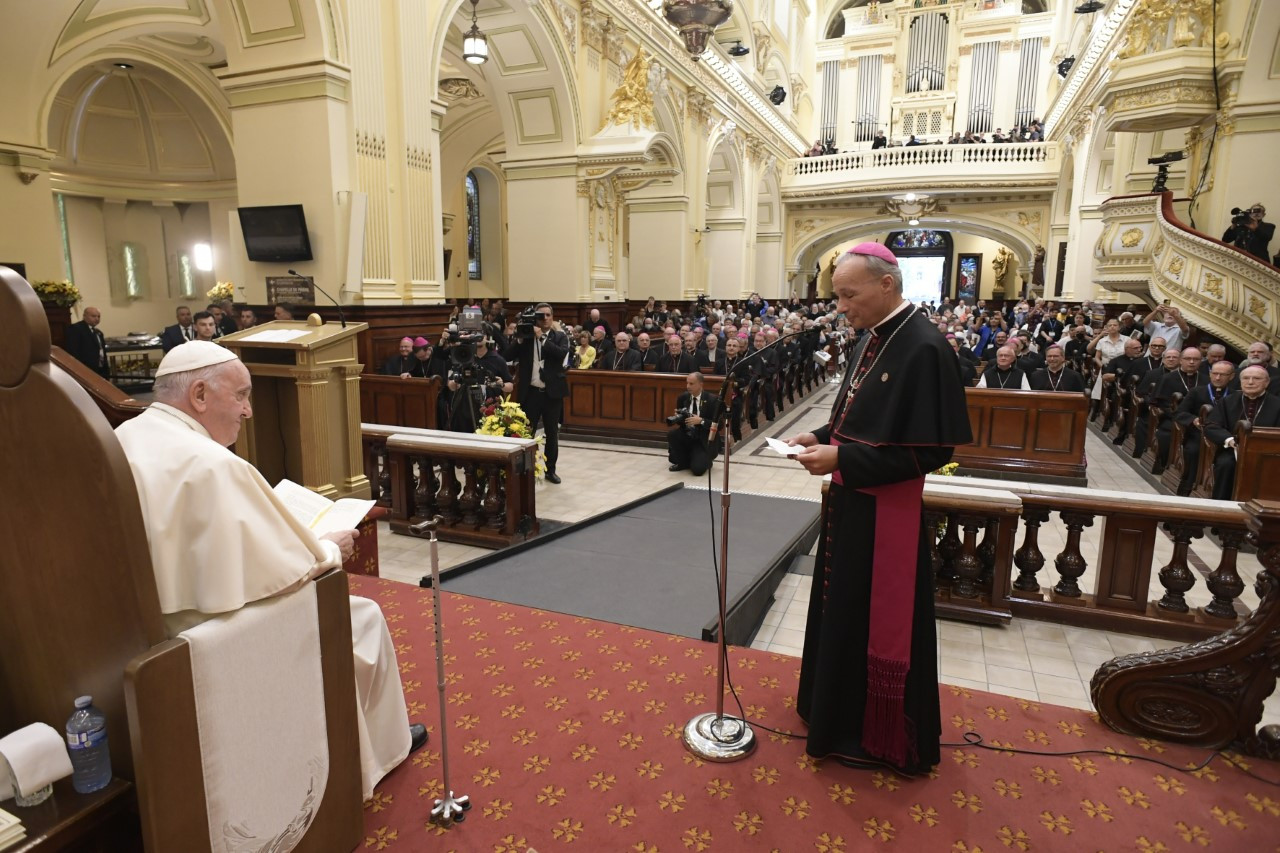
{"x":916,"y":156}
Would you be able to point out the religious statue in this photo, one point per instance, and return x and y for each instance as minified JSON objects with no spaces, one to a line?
{"x":632,"y":101}
{"x":1000,"y":264}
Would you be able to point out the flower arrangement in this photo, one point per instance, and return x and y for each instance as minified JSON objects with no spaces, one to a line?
{"x":222,"y":290}
{"x":948,"y":470}
{"x":506,"y":418}
{"x":62,"y":293}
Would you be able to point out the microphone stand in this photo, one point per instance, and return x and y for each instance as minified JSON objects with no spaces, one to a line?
{"x":448,"y":809}
{"x":713,"y":736}
{"x":342,"y":318}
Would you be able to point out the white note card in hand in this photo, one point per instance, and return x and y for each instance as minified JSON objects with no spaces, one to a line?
{"x":781,"y":447}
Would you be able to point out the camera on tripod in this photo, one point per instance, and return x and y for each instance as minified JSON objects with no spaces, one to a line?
{"x":463,"y":337}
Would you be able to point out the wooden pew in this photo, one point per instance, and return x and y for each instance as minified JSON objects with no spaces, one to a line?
{"x":1257,"y":464}
{"x":493,"y":505}
{"x":404,"y":402}
{"x":634,"y":405}
{"x":1028,"y":433}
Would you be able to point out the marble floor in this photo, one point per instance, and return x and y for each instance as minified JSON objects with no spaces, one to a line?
{"x":1026,"y":659}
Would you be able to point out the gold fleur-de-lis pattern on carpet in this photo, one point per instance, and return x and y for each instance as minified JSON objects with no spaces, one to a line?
{"x":566,"y":734}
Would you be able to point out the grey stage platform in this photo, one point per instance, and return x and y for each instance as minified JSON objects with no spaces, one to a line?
{"x":649,"y":564}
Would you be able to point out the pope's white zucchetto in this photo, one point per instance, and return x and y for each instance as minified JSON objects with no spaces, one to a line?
{"x":193,"y":355}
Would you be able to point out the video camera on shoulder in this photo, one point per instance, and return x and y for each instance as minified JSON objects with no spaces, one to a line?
{"x":1242,"y":216}
{"x":525,"y":321}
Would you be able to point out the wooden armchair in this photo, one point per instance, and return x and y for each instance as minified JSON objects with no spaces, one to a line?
{"x":76,"y":572}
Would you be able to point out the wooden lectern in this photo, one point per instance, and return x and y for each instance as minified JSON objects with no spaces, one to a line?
{"x":306,"y":405}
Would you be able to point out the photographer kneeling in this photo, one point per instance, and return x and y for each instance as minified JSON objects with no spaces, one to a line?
{"x":691,"y":442}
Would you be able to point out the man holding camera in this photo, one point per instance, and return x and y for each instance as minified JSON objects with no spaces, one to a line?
{"x":1250,"y":233}
{"x":541,"y":347}
{"x":475,"y":379}
{"x":691,"y":439}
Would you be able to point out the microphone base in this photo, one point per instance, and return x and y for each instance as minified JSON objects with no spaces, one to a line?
{"x":721,"y":739}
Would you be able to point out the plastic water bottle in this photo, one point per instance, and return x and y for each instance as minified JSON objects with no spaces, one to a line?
{"x":87,"y":743}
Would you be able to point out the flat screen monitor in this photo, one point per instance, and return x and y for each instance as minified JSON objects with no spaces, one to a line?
{"x":275,"y":233}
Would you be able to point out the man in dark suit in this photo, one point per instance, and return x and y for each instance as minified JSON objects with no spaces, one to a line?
{"x":403,"y":363}
{"x":675,"y":359}
{"x":179,"y":333}
{"x":691,"y":443}
{"x":86,"y":343}
{"x":1055,"y":375}
{"x":621,"y":357}
{"x":880,"y":140}
{"x":1251,"y":403}
{"x":543,"y":387}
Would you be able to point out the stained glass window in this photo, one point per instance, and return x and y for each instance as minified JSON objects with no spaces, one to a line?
{"x":919,"y":239}
{"x":473,"y":226}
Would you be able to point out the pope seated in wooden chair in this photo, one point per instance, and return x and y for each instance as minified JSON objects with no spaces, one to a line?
{"x":220,"y":538}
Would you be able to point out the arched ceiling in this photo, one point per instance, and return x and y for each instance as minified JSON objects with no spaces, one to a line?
{"x":140,"y":123}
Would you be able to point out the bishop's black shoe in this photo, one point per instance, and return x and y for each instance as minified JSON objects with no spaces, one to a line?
{"x":417,"y":737}
{"x":552,"y":477}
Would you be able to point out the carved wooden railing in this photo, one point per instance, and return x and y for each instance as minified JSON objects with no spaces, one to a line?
{"x":481,"y":486}
{"x":1209,"y":693}
{"x":115,"y":405}
{"x":1145,"y":249}
{"x":1119,"y":598}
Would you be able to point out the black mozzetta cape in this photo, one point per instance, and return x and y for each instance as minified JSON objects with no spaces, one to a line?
{"x":913,"y":396}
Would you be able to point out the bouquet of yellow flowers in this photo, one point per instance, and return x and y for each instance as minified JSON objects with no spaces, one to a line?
{"x":506,"y":418}
{"x":62,"y":293}
{"x":222,"y":290}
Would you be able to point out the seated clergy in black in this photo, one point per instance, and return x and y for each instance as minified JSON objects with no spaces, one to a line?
{"x":1188,"y":414}
{"x":711,"y":356}
{"x":1144,"y":393}
{"x":675,"y":359}
{"x":1178,"y":383}
{"x":1024,"y":359}
{"x":649,"y":355}
{"x":1003,"y":375}
{"x":1251,"y":403}
{"x":85,"y":341}
{"x":1117,"y":375}
{"x":1055,"y":375}
{"x":691,"y":442}
{"x":968,"y":373}
{"x":621,"y":357}
{"x":403,"y":363}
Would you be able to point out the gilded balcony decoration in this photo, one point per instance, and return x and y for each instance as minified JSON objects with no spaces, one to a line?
{"x":633,"y":100}
{"x":1145,"y":250}
{"x":1162,"y":77}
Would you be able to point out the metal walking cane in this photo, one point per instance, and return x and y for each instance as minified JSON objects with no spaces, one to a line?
{"x":451,"y":807}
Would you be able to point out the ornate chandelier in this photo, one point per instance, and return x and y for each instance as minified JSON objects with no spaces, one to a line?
{"x":696,"y":20}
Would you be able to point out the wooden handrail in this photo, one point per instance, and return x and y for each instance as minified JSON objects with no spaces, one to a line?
{"x":115,"y":405}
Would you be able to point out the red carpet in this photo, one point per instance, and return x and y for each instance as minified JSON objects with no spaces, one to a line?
{"x":565,"y":732}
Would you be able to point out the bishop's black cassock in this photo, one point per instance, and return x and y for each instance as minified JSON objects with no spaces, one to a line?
{"x":869,"y":675}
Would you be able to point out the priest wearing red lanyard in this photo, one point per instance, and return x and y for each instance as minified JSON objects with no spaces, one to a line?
{"x":869,"y":675}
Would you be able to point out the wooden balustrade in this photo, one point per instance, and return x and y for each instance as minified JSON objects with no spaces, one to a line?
{"x":1119,"y":596}
{"x":415,"y":472}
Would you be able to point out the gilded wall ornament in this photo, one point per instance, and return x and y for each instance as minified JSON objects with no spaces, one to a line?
{"x":1131,"y":238}
{"x":633,"y":101}
{"x":1176,"y":265}
{"x":1213,"y":285}
{"x":1257,"y":307}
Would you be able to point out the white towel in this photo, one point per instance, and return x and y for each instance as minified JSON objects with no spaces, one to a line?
{"x":260,"y":707}
{"x":37,"y":755}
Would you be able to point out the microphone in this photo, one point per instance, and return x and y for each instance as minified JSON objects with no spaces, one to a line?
{"x":341,"y":317}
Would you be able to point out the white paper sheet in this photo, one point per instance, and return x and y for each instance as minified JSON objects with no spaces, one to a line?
{"x":781,"y":447}
{"x":276,"y":336}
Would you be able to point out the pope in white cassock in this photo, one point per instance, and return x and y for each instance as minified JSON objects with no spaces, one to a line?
{"x":220,"y":538}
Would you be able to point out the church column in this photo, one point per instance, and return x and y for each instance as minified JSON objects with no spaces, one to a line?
{"x":420,"y":203}
{"x":1085,"y":223}
{"x":313,"y":416}
{"x":547,"y":227}
{"x":292,"y":131}
{"x":703,"y":118}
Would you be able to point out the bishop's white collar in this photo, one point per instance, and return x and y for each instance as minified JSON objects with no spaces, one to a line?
{"x":902,"y":306}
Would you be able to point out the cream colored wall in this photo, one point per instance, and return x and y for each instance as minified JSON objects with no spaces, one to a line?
{"x":658,"y":234}
{"x":96,"y":229}
{"x":551,"y":259}
{"x":987,"y":284}
{"x":29,"y":225}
